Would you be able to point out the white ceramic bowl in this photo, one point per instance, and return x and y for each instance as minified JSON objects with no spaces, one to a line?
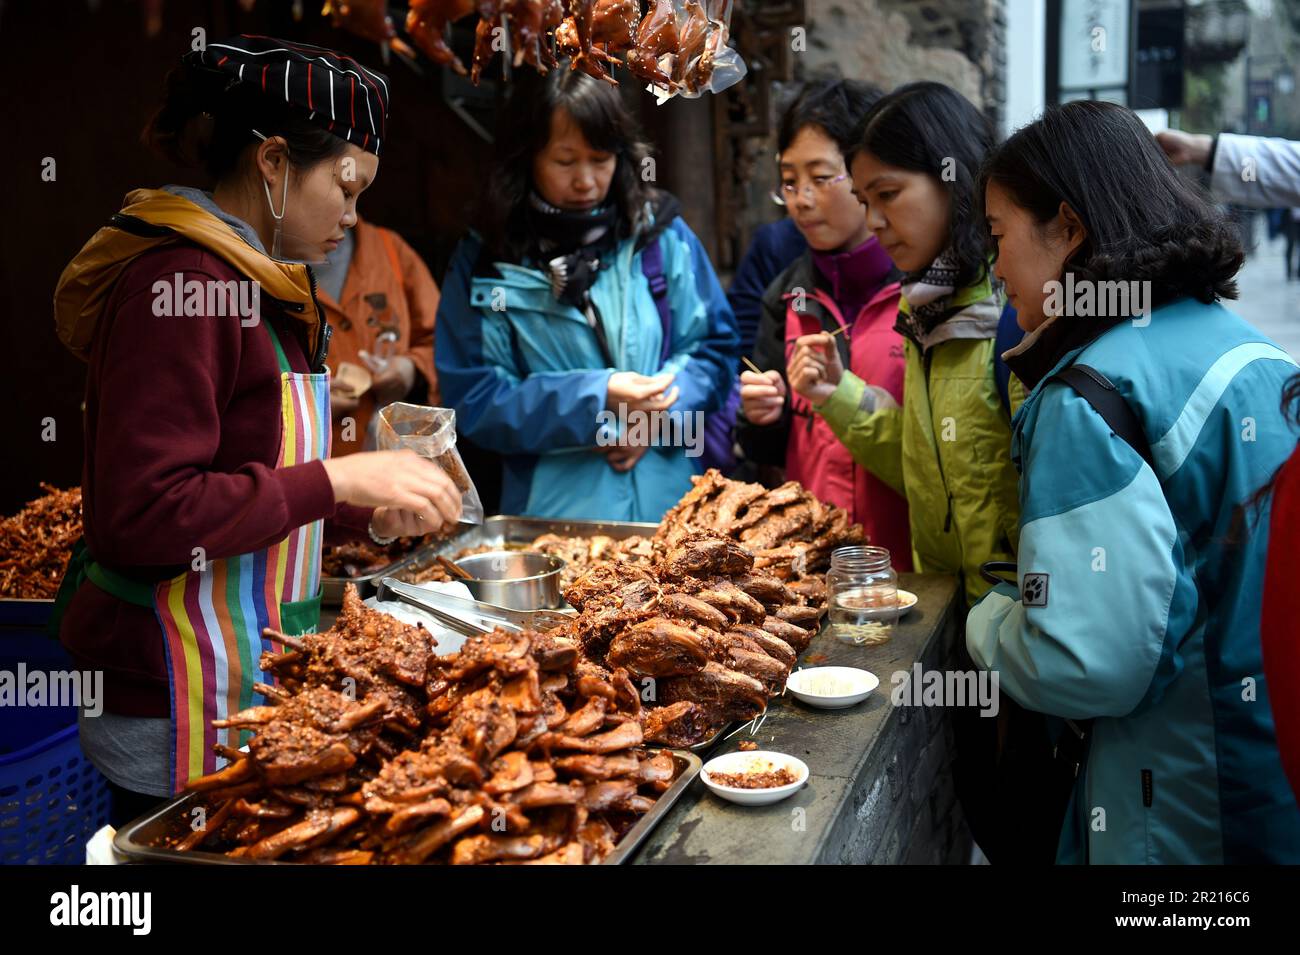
{"x":832,"y":688}
{"x":757,"y":761}
{"x":906,"y":601}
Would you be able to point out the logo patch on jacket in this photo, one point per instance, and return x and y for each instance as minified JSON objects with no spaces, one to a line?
{"x":1033,"y":590}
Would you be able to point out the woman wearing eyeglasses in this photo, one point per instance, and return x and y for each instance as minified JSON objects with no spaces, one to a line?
{"x":844,"y":284}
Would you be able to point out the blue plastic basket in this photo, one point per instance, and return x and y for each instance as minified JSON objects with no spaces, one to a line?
{"x":52,"y":799}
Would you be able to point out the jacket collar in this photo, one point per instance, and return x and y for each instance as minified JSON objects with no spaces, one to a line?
{"x":151,"y":218}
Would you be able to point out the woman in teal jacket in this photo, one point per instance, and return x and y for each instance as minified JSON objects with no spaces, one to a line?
{"x":583,"y":303}
{"x":1139,"y":584}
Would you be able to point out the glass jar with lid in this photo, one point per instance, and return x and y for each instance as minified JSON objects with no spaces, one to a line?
{"x":862,"y":595}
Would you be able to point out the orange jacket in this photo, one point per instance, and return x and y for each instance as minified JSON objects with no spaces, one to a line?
{"x":387,"y":285}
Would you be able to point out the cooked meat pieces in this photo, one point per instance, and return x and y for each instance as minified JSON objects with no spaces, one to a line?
{"x":287,"y":753}
{"x":790,"y":522}
{"x":657,"y":648}
{"x":773,"y":646}
{"x":593,"y":767}
{"x":496,"y":737}
{"x":812,"y":590}
{"x":766,"y":589}
{"x":705,"y":556}
{"x":623,"y":736}
{"x":732,"y":695}
{"x":613,"y":586}
{"x":725,"y":596}
{"x":797,"y":637}
{"x":771,"y":673}
{"x":692,"y":608}
{"x":790,"y":492}
{"x":805,"y":617}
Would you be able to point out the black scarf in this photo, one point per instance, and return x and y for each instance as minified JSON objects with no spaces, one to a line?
{"x":571,"y":247}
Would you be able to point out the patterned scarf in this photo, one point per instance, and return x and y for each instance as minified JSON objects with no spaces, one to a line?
{"x":933,"y":309}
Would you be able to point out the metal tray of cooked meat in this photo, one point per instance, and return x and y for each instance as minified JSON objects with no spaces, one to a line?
{"x":145,"y":839}
{"x":509,"y":532}
{"x":367,"y":584}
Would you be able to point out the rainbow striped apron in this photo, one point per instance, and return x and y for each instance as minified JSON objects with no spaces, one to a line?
{"x":212,"y":619}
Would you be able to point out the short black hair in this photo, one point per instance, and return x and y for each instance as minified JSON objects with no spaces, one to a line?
{"x":836,"y":107}
{"x":1145,"y":222}
{"x":523,"y":130}
{"x":931,"y":128}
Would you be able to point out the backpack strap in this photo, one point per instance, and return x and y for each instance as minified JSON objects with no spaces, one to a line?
{"x":652,"y":264}
{"x":1096,"y":389}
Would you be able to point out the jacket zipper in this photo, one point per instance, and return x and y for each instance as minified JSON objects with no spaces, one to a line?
{"x":938,"y":459}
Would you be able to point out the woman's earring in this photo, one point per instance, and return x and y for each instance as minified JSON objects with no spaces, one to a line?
{"x":278,"y":236}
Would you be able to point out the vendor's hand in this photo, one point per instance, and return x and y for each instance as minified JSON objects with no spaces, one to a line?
{"x":624,"y":457}
{"x":396,"y":479}
{"x":1185,"y":149}
{"x":399,"y":522}
{"x":394,"y":382}
{"x":762,"y":397}
{"x":342,"y":401}
{"x":815,"y":368}
{"x":640,"y":392}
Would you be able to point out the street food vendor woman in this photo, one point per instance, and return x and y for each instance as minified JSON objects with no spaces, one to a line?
{"x":208,"y":487}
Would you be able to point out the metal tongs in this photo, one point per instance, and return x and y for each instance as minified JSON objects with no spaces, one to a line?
{"x":468,"y":617}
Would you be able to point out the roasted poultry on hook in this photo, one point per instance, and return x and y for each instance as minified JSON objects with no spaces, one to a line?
{"x":614,"y":24}
{"x":656,"y":36}
{"x":367,"y":19}
{"x":426,"y":22}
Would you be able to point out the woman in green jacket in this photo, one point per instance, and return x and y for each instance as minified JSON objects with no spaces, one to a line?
{"x":947,"y":448}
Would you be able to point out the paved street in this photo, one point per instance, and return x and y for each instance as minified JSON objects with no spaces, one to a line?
{"x":1267,"y":300}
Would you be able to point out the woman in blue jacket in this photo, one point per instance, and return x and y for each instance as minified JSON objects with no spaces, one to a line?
{"x":1139,"y":583}
{"x":583,"y":303}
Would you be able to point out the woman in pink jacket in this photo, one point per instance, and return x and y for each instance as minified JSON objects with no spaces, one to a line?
{"x":844,"y":284}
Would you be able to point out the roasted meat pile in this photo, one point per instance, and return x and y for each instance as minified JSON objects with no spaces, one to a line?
{"x":373,"y":750}
{"x":36,"y":542}
{"x":790,"y":533}
{"x":704,"y":635}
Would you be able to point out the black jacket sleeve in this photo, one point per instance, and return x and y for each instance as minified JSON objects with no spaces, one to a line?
{"x":767,"y":444}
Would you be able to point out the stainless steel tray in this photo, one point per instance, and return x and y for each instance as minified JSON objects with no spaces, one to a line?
{"x":367,"y":584}
{"x":144,"y":839}
{"x":503,"y":530}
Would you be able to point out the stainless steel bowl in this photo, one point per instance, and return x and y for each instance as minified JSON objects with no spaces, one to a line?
{"x":515,"y":579}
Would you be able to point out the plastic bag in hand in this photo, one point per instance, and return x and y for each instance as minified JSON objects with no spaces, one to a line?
{"x":430,"y":433}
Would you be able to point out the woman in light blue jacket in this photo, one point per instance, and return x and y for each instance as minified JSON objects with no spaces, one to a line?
{"x":1140,"y":570}
{"x":582,"y":333}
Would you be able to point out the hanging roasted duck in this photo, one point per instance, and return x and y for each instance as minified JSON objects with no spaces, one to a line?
{"x":367,"y":19}
{"x":656,"y":37}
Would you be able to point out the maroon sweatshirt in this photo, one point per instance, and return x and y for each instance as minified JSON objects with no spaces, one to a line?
{"x":182,"y":436}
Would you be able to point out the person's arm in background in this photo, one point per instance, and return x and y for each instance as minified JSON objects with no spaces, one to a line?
{"x":774,"y":246}
{"x":422,"y":299}
{"x":1088,"y":492}
{"x":1252,"y":171}
{"x":767,"y":443}
{"x":706,"y":345}
{"x":499,"y":405}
